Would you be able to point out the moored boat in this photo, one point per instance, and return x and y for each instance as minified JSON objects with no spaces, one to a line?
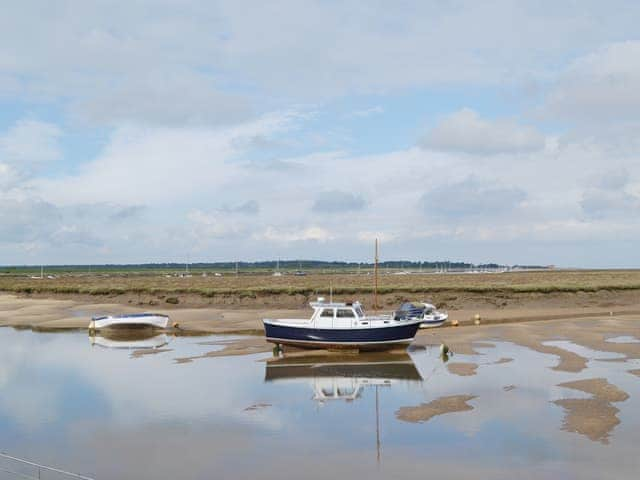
{"x":421,"y":310}
{"x":130,"y":320}
{"x":341,"y":325}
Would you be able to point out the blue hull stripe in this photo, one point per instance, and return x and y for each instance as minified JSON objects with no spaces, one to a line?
{"x":396,"y":334}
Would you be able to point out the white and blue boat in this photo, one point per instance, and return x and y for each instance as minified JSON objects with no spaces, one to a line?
{"x":342,"y":325}
{"x":420,"y":310}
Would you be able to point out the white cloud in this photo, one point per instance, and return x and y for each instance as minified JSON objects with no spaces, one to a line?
{"x":162,"y":166}
{"x":25,"y":147}
{"x":213,"y":225}
{"x":190,"y":158}
{"x":337,"y":201}
{"x":464,"y":131}
{"x":471,"y":197}
{"x":370,"y":237}
{"x":599,"y":87}
{"x":27,"y":220}
{"x":278,"y":235}
{"x":132,"y":67}
{"x":249,"y":207}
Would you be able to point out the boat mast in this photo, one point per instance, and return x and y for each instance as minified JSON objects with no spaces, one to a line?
{"x":375,"y":279}
{"x":377,"y":429}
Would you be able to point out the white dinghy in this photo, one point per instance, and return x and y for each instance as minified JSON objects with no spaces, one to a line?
{"x":130,"y":320}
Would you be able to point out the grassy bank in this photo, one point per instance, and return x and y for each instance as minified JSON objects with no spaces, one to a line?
{"x":261,"y":285}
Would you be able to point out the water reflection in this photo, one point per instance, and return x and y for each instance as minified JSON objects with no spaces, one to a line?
{"x":97,"y":411}
{"x":343,"y":378}
{"x":129,"y":339}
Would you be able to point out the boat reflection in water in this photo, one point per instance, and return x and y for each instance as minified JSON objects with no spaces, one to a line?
{"x":346,"y":377}
{"x":130,"y":339}
{"x":343,"y":377}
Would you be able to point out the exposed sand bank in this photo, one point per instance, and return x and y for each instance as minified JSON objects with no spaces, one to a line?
{"x":594,"y":417}
{"x":58,"y":312}
{"x":599,"y":388}
{"x":463,"y":369}
{"x":591,"y":332}
{"x":587,"y":332}
{"x":440,"y":406}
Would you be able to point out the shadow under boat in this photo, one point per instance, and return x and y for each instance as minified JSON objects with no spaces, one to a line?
{"x":129,"y":339}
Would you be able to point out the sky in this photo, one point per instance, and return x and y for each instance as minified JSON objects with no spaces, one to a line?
{"x":156,"y":131}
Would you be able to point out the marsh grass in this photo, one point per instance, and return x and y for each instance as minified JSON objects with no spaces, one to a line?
{"x":263,"y":285}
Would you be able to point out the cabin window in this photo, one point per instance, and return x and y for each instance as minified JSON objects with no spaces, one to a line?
{"x":327,"y":312}
{"x":345,"y":313}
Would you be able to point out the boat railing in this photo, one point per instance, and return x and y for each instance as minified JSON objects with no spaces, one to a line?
{"x":36,"y":471}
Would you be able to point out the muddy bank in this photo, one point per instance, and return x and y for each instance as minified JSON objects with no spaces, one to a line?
{"x":462,"y":369}
{"x":462,"y":304}
{"x":440,"y":406}
{"x":594,"y":417}
{"x":593,"y":332}
{"x":242,"y":315}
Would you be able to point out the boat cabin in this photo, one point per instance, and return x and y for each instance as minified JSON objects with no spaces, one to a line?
{"x":337,"y":314}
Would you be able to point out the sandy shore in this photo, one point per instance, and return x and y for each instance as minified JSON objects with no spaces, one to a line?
{"x":531,"y":328}
{"x":63,"y":313}
{"x":583,"y":326}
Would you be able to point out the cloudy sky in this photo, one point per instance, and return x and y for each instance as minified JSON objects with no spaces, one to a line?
{"x":152,"y":131}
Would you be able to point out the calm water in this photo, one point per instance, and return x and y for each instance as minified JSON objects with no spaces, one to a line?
{"x":112,"y":413}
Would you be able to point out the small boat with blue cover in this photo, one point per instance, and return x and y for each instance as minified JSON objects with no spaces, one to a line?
{"x":425,"y":311}
{"x":342,"y":325}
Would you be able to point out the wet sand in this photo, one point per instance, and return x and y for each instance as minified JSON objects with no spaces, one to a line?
{"x":599,"y":388}
{"x":590,"y":332}
{"x":594,"y":417}
{"x":591,"y":417}
{"x":440,"y":406}
{"x":462,"y":369}
{"x":587,"y":332}
{"x":57,"y":312}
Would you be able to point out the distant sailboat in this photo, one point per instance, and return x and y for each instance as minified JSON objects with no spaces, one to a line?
{"x":277,"y":273}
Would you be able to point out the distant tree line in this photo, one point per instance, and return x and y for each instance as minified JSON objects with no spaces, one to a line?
{"x":286,"y":265}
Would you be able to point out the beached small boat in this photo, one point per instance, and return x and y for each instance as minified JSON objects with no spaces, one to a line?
{"x":420,"y":310}
{"x":341,"y":325}
{"x":130,"y":320}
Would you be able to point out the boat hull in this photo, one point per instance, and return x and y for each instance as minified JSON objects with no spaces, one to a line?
{"x":362,"y":338}
{"x":130,"y":321}
{"x":434,"y":322}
